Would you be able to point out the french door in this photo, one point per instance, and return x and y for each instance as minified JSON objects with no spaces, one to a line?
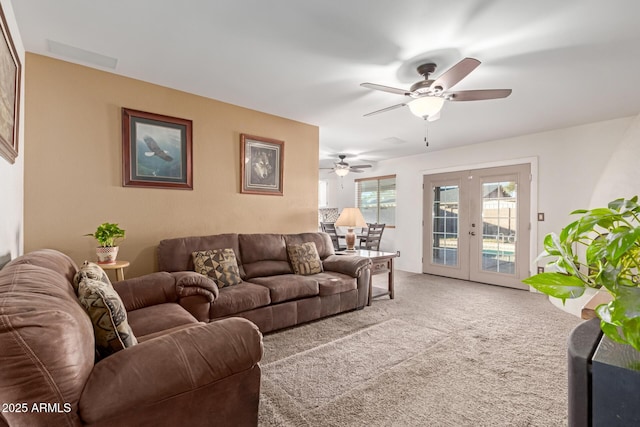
{"x":476,"y":225}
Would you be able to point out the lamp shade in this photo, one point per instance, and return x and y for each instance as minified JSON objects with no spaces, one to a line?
{"x":426,"y":106}
{"x":351,"y":217}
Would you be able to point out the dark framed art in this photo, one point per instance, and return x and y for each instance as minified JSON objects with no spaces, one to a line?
{"x":261,"y":165}
{"x":10,"y":70}
{"x":156,"y":151}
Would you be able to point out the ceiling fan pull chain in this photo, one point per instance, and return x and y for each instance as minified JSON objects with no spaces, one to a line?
{"x":426,"y":132}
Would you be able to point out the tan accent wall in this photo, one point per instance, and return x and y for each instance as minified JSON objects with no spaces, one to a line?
{"x":73,"y":166}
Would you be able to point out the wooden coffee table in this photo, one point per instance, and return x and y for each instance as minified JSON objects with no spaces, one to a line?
{"x":382,"y":263}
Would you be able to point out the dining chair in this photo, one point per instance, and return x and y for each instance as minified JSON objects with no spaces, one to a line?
{"x":371,"y":240}
{"x":330,"y":229}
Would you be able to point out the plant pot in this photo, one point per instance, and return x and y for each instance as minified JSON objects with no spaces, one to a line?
{"x":107,"y":254}
{"x":604,"y":379}
{"x":615,"y":382}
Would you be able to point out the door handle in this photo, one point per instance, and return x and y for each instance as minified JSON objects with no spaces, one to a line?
{"x":472,"y":233}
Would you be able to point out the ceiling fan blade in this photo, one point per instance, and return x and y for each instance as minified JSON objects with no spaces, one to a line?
{"x":361,"y":166}
{"x":355,"y":170}
{"x":385,"y":88}
{"x":456,"y":73}
{"x":384,"y":110}
{"x":478,"y":95}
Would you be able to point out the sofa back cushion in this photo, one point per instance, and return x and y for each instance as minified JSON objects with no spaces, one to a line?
{"x":46,"y":339}
{"x":49,"y":259}
{"x":175,"y":254}
{"x":264,"y":255}
{"x":324,"y":246}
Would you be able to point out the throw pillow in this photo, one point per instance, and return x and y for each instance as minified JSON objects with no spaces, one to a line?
{"x":90,"y":270}
{"x":108,"y":315}
{"x":219,"y":264}
{"x":304,"y":259}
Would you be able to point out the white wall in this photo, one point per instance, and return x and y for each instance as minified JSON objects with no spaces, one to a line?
{"x":621,"y":176}
{"x":11,"y":176}
{"x":570,"y":163}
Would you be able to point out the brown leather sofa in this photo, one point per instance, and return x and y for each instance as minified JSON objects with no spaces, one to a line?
{"x":271,"y":295}
{"x":182,"y":371}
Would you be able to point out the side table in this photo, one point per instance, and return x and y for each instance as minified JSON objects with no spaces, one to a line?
{"x":382,"y":263}
{"x":118,"y":266}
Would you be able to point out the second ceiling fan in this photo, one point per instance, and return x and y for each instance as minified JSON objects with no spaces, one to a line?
{"x":342,"y":168}
{"x":428,"y":96}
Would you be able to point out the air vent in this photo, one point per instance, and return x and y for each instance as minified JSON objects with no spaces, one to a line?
{"x":81,"y":55}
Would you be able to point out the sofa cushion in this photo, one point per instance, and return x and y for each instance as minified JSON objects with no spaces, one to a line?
{"x":219,"y":264}
{"x":331,"y":283}
{"x":160,"y":317}
{"x":304,"y":258}
{"x":287,"y":287}
{"x":236,"y":299}
{"x":323,"y":242}
{"x":264,"y":255}
{"x":107,"y":313}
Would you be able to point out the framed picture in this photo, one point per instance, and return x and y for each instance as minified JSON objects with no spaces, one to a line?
{"x":156,"y":151}
{"x":9,"y":93}
{"x":261,"y":165}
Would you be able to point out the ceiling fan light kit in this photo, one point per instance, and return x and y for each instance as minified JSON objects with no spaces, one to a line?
{"x":427,"y":106}
{"x":341,"y":171}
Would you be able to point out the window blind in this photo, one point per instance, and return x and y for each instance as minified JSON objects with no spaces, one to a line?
{"x":376,"y":198}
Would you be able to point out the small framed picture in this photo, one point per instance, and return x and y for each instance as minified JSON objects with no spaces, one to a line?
{"x":156,"y":151}
{"x":261,"y":165}
{"x":9,"y":93}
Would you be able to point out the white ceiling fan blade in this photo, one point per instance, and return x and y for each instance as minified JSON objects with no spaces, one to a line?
{"x":393,"y":107}
{"x":385,"y":88}
{"x":456,"y":73}
{"x":478,"y":95}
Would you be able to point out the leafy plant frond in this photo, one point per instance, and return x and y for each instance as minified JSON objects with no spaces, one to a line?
{"x":610,"y":238}
{"x":107,"y":234}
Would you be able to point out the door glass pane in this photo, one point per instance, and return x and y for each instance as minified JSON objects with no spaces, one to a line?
{"x":499,"y":208}
{"x":444,"y":249}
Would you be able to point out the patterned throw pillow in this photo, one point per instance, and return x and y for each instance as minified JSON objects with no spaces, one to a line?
{"x":219,"y":264}
{"x":108,"y":315}
{"x":305,"y":259}
{"x":90,"y":270}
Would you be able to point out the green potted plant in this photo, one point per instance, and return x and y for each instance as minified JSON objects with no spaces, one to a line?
{"x":600,"y":249}
{"x":107,"y":234}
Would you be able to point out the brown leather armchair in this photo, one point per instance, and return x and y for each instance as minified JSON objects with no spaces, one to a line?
{"x":182,"y":372}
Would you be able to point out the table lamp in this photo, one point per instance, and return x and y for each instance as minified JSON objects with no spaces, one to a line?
{"x":351,"y":218}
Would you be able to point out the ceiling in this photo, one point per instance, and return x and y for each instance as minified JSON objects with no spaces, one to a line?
{"x":568,"y":62}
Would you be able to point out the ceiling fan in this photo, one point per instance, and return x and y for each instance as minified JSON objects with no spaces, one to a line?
{"x":342,"y":168}
{"x":428,"y":96}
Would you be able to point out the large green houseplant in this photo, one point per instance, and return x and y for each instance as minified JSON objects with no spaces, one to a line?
{"x":599,"y":249}
{"x":107,"y":235}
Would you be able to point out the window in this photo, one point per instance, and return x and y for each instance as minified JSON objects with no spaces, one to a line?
{"x":322,"y":194}
{"x":376,"y":198}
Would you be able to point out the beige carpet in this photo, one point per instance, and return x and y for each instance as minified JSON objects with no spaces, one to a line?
{"x":443,"y":353}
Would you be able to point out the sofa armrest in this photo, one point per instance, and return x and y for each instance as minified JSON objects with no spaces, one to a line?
{"x":190,"y":283}
{"x":159,"y":374}
{"x":346,"y":264}
{"x":145,"y":291}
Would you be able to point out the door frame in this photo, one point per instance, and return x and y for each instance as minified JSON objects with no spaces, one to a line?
{"x":533,"y":194}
